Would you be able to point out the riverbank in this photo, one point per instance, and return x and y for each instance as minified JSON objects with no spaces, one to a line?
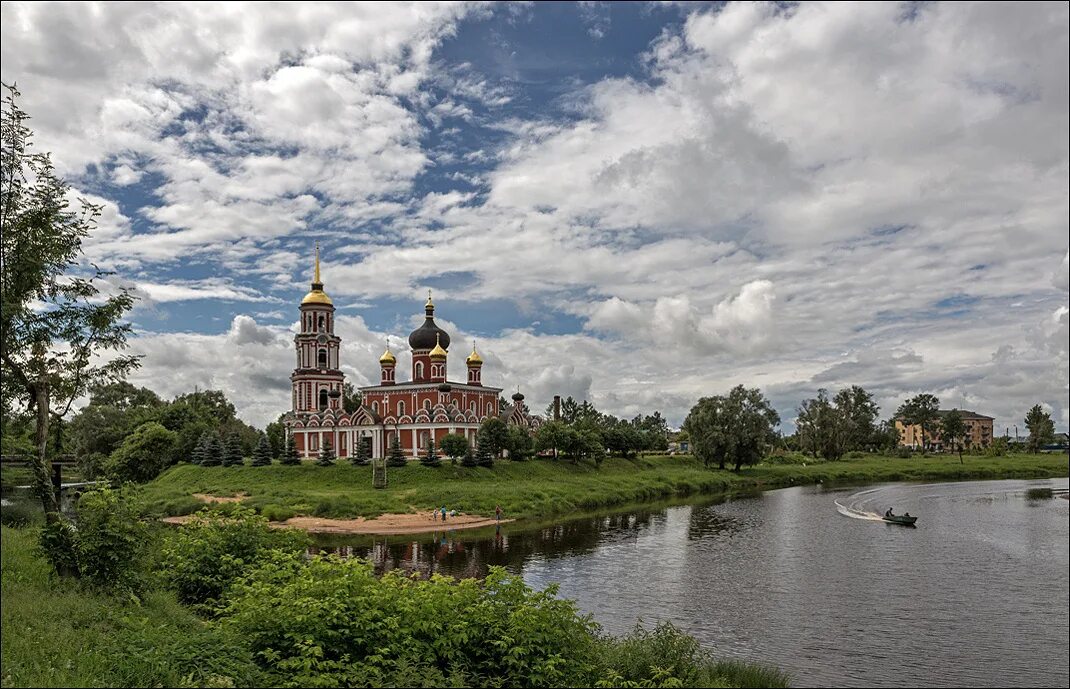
{"x":540,"y":489}
{"x":383,"y":525}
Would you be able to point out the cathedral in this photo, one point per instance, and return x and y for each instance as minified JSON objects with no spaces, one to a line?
{"x":415,"y":411}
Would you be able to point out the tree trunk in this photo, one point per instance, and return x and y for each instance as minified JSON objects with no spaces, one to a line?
{"x":42,"y":467}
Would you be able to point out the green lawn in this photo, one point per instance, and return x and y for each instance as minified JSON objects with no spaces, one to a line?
{"x":544,"y":488}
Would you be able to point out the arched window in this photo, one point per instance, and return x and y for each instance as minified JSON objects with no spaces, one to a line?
{"x":323,"y":398}
{"x":472,"y":406}
{"x":427,"y":405}
{"x":375,"y":407}
{"x":323,"y":358}
{"x":425,"y":437}
{"x":401,"y":408}
{"x":418,"y":371}
{"x":322,"y":324}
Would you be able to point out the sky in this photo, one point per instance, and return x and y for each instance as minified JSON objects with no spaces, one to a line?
{"x":635,"y":204}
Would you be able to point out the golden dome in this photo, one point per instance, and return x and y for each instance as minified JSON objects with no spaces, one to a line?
{"x":388,"y":357}
{"x":317,"y":296}
{"x":474,"y":359}
{"x":438,"y":352}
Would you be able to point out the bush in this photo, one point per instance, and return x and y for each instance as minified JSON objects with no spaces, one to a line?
{"x":21,"y":513}
{"x":143,"y":455}
{"x":110,"y":539}
{"x":205,"y":555}
{"x":331,"y":622}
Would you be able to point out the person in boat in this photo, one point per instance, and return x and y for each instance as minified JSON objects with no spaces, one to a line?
{"x":889,"y":513}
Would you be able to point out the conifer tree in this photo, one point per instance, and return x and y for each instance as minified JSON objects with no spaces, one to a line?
{"x":469,"y":458}
{"x":483,"y":456}
{"x":200,"y":451}
{"x":396,"y":458}
{"x":326,"y":455}
{"x":262,"y":454}
{"x":232,"y":454}
{"x":213,"y":451}
{"x":430,"y":458}
{"x":290,"y":456}
{"x":363,"y":454}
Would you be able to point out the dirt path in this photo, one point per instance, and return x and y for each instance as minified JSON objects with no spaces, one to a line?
{"x":384,"y":524}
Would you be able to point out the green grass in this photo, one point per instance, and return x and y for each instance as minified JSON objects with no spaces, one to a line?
{"x":543,"y":488}
{"x":58,"y":633}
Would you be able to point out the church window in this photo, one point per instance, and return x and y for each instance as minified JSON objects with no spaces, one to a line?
{"x":427,"y":405}
{"x":472,"y":406}
{"x":425,"y":437}
{"x":401,"y":408}
{"x":375,"y":407}
{"x":313,"y":441}
{"x":321,"y":324}
{"x":419,"y":370}
{"x":323,"y":358}
{"x":323,"y":398}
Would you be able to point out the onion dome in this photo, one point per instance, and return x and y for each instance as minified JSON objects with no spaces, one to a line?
{"x":474,"y":359}
{"x":428,"y":335}
{"x":517,"y":397}
{"x":316,"y":295}
{"x":438,"y":352}
{"x":388,"y":358}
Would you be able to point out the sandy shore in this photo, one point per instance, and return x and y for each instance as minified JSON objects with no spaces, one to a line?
{"x":384,"y":524}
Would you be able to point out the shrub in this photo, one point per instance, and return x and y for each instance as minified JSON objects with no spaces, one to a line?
{"x":277,"y":513}
{"x":203,"y":556}
{"x":110,"y":539}
{"x":290,"y":456}
{"x":430,"y":458}
{"x":454,"y":445}
{"x":362,"y":455}
{"x":396,"y":458}
{"x":143,"y":455}
{"x":262,"y":454}
{"x":326,"y":455}
{"x":20,"y":513}
{"x":331,"y":622}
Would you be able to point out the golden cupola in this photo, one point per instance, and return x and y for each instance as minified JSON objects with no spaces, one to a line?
{"x":316,"y":295}
{"x":474,"y":359}
{"x":388,"y":358}
{"x":438,"y":352}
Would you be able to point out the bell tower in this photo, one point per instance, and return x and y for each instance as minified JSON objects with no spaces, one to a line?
{"x":317,"y":380}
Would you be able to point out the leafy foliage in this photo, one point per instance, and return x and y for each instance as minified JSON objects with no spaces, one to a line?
{"x":111,"y":538}
{"x":922,"y":411}
{"x":143,"y":455}
{"x":454,"y":445}
{"x":493,"y":435}
{"x":736,"y":428}
{"x":953,"y":431}
{"x":1041,"y":428}
{"x":205,"y":555}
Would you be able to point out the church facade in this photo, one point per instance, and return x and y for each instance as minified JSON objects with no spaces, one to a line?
{"x":415,"y":411}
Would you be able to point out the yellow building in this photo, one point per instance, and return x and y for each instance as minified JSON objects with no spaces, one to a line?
{"x":978,"y":432}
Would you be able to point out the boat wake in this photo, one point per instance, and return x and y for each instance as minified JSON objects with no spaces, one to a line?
{"x":854,"y":506}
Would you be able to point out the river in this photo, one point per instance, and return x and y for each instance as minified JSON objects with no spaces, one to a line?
{"x":806,"y":579}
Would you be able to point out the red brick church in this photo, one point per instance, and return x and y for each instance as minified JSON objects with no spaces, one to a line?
{"x":415,"y":411}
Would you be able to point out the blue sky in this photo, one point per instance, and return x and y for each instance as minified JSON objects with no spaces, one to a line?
{"x":636,"y":203}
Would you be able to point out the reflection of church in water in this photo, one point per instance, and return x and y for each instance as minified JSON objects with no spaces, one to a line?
{"x":414,"y":412}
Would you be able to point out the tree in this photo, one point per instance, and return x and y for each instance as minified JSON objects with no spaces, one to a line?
{"x":885,"y":437}
{"x":351,"y":398}
{"x":483,"y":456}
{"x":858,"y":414}
{"x":290,"y":456}
{"x":454,"y":445}
{"x":262,"y":454}
{"x":921,"y":411}
{"x":953,"y":431}
{"x":823,"y":429}
{"x":469,"y":459}
{"x":326,"y":458}
{"x":736,"y":428}
{"x":200,"y":452}
{"x":550,"y":436}
{"x":1041,"y":428}
{"x":396,"y":457}
{"x":232,"y":454}
{"x":363,"y":454}
{"x":518,"y":442}
{"x":213,"y":451}
{"x":430,"y":458}
{"x":493,"y":435}
{"x":143,"y":455}
{"x":56,"y":329}
{"x":276,"y":435}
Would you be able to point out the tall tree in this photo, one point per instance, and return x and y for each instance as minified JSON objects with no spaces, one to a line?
{"x":493,"y":435}
{"x":454,"y":445}
{"x":351,"y":398}
{"x":56,"y":329}
{"x":483,"y":457}
{"x":737,"y":427}
{"x":858,"y":412}
{"x":953,"y":431}
{"x":213,"y":453}
{"x":469,"y":459}
{"x":822,"y":428}
{"x":921,"y":411}
{"x":362,"y":456}
{"x":232,"y":453}
{"x":1041,"y":428}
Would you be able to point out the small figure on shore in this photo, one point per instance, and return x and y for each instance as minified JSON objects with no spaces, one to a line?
{"x":443,"y":513}
{"x":434,"y":515}
{"x":498,"y":512}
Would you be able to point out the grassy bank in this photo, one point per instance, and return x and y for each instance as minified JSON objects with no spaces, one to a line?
{"x":544,"y":488}
{"x":58,"y":633}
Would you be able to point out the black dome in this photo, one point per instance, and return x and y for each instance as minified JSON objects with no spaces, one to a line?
{"x":428,"y":334}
